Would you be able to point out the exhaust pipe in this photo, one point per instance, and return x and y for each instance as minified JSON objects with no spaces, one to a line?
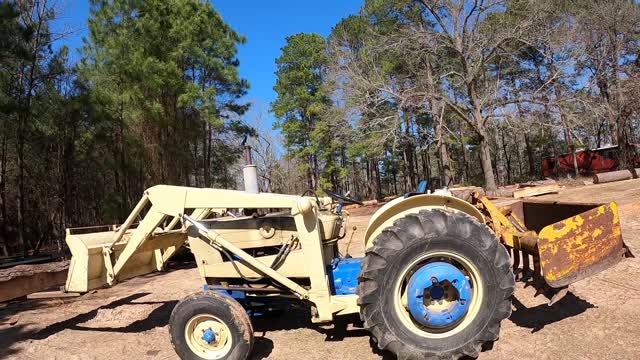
{"x":250,"y":173}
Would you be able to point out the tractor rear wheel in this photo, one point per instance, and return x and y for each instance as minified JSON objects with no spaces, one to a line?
{"x":436,"y":285}
{"x":209,"y":325}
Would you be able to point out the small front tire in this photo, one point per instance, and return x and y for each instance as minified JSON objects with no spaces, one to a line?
{"x":210,"y":326}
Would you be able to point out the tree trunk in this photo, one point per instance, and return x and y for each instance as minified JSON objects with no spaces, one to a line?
{"x":417,"y":166}
{"x":532,"y":168}
{"x":499,"y":158}
{"x":3,"y":191}
{"x":518,"y":158}
{"x":377,"y":182}
{"x":463,"y":150}
{"x":485,"y":142}
{"x":408,"y":154}
{"x":426,"y":163}
{"x":507,"y":157}
{"x":443,"y":152}
{"x":20,"y":208}
{"x":567,"y":131}
{"x":485,"y":161}
{"x":310,"y":174}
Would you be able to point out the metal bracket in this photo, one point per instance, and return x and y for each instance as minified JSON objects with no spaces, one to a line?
{"x":108,"y":264}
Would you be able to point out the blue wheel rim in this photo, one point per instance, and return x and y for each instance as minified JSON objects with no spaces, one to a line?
{"x":438,"y":295}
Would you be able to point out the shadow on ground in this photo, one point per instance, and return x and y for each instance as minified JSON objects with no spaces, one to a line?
{"x":298,"y":317}
{"x":159,"y":317}
{"x":537,"y":317}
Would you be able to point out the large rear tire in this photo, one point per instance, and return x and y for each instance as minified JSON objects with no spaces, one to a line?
{"x":209,"y":325}
{"x":435,"y":285}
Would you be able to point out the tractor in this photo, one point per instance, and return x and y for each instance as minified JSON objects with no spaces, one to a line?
{"x":435,"y":282}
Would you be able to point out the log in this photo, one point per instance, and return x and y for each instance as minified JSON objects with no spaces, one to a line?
{"x":466,"y":193}
{"x":370,"y":202}
{"x":612,"y":176}
{"x":59,"y":294}
{"x":26,"y":261}
{"x":390,"y":197}
{"x":536,"y":190}
{"x":505,"y":191}
{"x":537,"y":183}
{"x":23,"y":280}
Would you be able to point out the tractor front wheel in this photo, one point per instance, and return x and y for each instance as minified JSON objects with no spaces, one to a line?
{"x":436,"y":285}
{"x":209,"y":325}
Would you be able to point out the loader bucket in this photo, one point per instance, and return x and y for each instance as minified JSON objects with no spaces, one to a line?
{"x":89,"y":267}
{"x":575,"y":240}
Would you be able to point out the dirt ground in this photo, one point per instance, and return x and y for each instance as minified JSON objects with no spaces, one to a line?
{"x":600,"y":319}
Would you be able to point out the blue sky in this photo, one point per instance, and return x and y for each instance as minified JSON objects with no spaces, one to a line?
{"x":266,"y":24}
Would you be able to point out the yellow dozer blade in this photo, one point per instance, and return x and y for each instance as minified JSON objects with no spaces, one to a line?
{"x":581,"y":245}
{"x":568,"y":241}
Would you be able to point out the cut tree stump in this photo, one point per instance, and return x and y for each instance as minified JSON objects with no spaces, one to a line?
{"x":536,"y":190}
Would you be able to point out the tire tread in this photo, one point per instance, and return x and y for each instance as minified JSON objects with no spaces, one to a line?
{"x":424,"y":226}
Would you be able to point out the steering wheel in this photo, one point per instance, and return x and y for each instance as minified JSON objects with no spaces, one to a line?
{"x":344,"y":199}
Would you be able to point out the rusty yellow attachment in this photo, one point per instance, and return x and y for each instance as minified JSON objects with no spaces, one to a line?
{"x":580,"y":245}
{"x":568,"y":241}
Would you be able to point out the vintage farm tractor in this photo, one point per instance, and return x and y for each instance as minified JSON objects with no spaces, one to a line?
{"x":436,"y":280}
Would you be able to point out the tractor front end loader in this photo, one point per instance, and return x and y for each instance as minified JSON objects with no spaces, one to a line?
{"x":436,"y":279}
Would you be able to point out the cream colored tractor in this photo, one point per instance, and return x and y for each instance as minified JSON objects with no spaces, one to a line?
{"x":435,"y":282}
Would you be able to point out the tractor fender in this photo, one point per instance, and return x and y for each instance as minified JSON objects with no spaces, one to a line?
{"x":395,"y":209}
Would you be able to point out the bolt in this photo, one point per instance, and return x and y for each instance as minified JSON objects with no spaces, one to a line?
{"x":462,"y":301}
{"x":440,"y":302}
{"x":434,"y":280}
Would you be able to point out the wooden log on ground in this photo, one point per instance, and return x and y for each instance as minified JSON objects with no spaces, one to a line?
{"x":370,"y":202}
{"x":390,"y":197}
{"x":11,"y":262}
{"x":59,"y":294}
{"x":536,"y":190}
{"x":537,"y":183}
{"x":612,"y":176}
{"x":505,"y":191}
{"x":23,"y":280}
{"x":466,"y":193}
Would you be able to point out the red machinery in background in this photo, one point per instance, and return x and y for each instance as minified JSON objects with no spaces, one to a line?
{"x":592,"y":161}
